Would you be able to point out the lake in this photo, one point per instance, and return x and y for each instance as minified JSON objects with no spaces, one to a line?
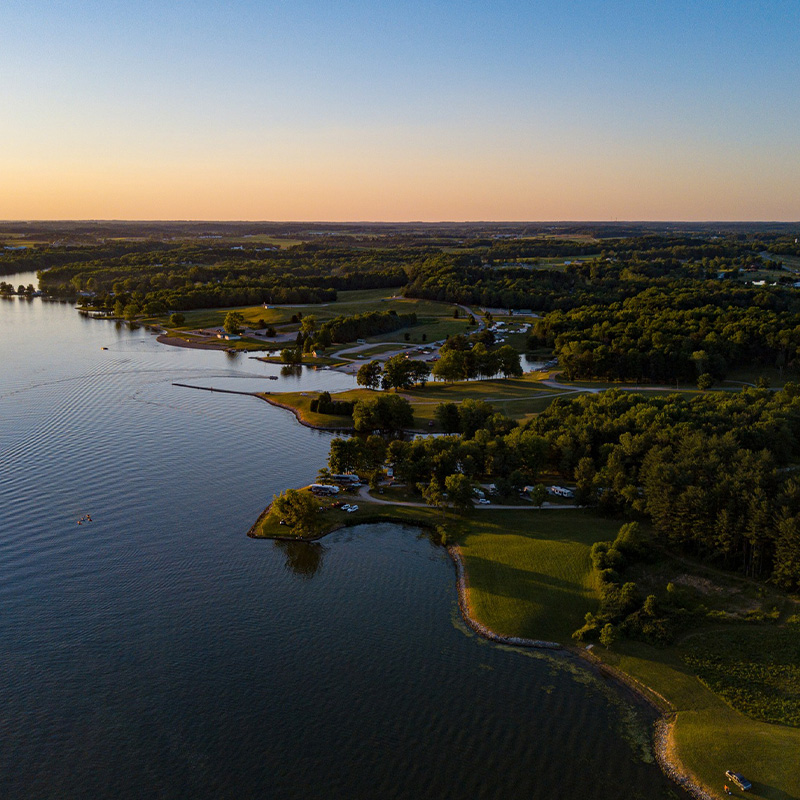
{"x":156,"y":651}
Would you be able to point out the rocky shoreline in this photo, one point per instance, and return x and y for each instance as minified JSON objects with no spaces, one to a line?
{"x":463,"y":603}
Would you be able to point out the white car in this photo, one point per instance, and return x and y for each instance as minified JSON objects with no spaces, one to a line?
{"x":484,"y":502}
{"x":346,"y":507}
{"x":351,"y":509}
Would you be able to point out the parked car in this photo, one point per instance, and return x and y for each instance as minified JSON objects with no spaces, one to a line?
{"x":351,"y":509}
{"x":482,"y":501}
{"x":739,"y":780}
{"x":346,"y":507}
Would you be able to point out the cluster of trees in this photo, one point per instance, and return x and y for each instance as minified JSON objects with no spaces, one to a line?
{"x":8,"y":289}
{"x":462,"y":358}
{"x":373,"y":323}
{"x":398,"y":372}
{"x":160,"y":276}
{"x":623,"y":609}
{"x":324,"y":404}
{"x":619,"y":271}
{"x":714,"y":473}
{"x":387,"y":413}
{"x":470,"y":416}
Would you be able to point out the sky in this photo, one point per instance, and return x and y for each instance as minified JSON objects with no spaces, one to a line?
{"x":367,"y":110}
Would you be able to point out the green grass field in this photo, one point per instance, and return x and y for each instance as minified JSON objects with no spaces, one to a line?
{"x":755,"y":669}
{"x":435,"y":320}
{"x":529,"y":571}
{"x":709,"y":735}
{"x":519,"y":398}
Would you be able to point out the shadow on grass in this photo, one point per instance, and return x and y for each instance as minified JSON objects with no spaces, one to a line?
{"x":515,"y":582}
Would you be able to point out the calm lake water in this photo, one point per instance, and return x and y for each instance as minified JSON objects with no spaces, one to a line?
{"x":156,"y":652}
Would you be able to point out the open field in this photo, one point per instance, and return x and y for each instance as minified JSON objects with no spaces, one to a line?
{"x":518,"y":398}
{"x":435,"y":320}
{"x":529,"y":573}
{"x":215,"y":317}
{"x":709,"y":736}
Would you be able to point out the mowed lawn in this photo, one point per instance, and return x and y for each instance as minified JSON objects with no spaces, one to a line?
{"x":529,"y":573}
{"x":709,"y":735}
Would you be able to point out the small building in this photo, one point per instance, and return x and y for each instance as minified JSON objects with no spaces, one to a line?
{"x":228,"y":337}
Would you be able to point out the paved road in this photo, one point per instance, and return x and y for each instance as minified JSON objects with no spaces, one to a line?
{"x":363,"y":494}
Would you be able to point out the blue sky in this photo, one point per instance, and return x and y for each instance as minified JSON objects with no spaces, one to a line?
{"x":367,"y":110}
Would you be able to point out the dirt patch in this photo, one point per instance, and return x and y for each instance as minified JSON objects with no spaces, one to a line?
{"x":702,"y":585}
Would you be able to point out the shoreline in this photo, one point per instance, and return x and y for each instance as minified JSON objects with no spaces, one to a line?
{"x":663,"y":748}
{"x":332,"y":429}
{"x":664,"y":725}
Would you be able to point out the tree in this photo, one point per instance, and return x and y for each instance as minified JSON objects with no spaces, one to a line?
{"x":397,"y":373}
{"x":270,"y":331}
{"x":388,"y":413}
{"x":309,"y":324}
{"x":459,"y":490}
{"x":176,"y":320}
{"x":419,"y":372}
{"x":705,"y":381}
{"x":450,"y":366}
{"x":346,"y":455}
{"x":473,"y":415}
{"x":432,"y":494}
{"x":508,"y":360}
{"x":297,"y":508}
{"x":369,"y":375}
{"x":447,"y":417}
{"x":292,"y":355}
{"x":608,"y":635}
{"x":233,"y":323}
{"x":538,"y":495}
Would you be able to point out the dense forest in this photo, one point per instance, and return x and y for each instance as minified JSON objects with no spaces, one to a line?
{"x":714,"y":474}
